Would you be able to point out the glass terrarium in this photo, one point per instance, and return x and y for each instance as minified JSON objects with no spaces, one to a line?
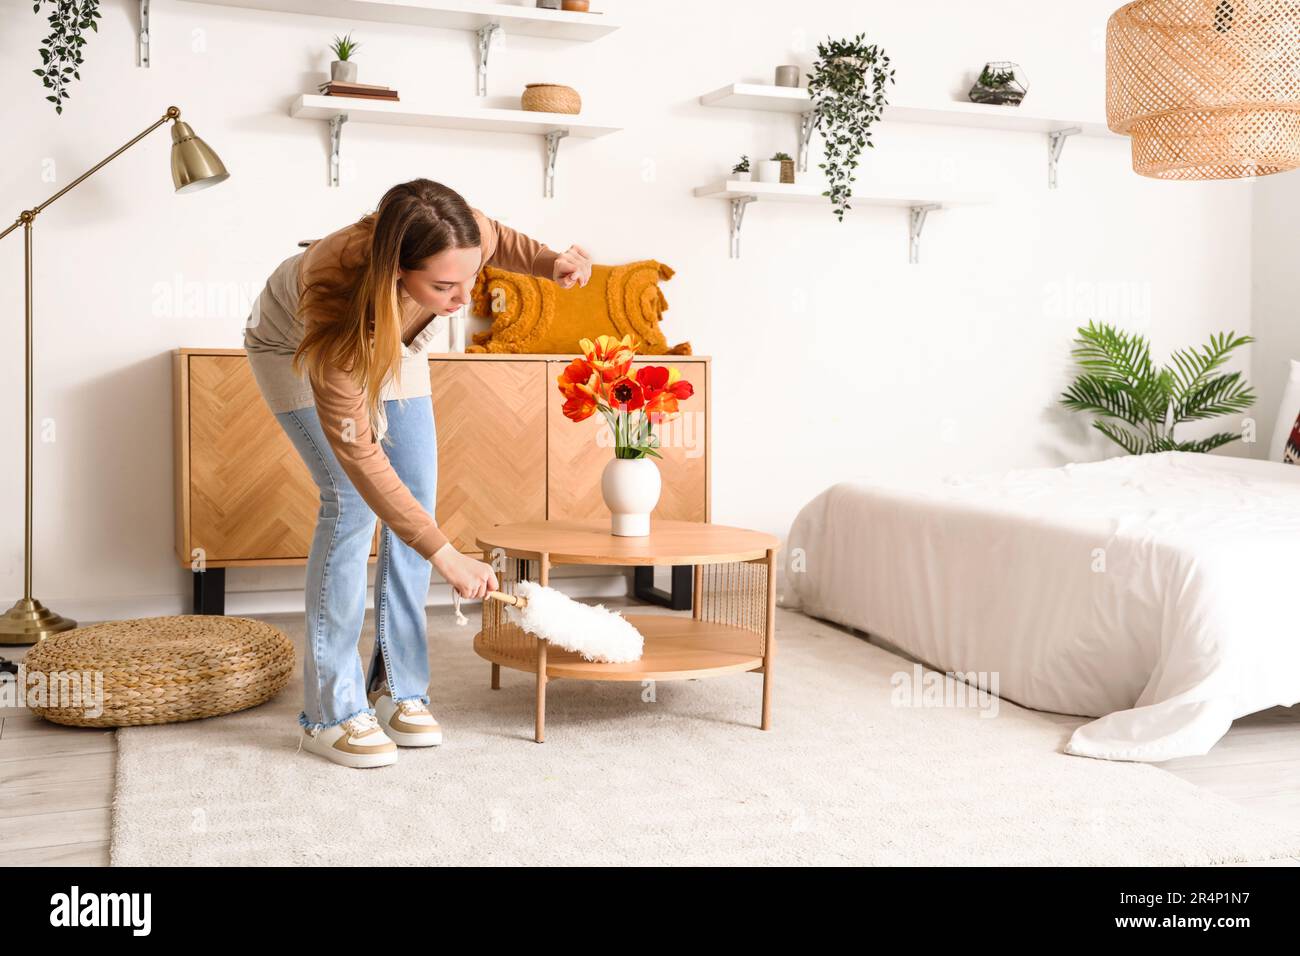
{"x":1001,"y":82}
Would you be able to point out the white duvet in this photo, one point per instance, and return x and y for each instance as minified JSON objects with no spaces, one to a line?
{"x":1158,"y":593}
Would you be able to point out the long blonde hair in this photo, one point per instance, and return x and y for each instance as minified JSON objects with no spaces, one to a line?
{"x":359,"y":316}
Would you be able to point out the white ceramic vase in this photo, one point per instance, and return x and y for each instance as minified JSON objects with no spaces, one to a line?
{"x":631,"y":489}
{"x":456,"y":331}
{"x":769,"y":170}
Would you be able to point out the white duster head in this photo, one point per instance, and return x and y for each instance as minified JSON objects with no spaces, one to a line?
{"x":594,"y":631}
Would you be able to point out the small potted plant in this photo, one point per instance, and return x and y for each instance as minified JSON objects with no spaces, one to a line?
{"x":343,"y":69}
{"x":740,"y":172}
{"x":847,"y":87}
{"x":632,"y":403}
{"x":787,"y":166}
{"x":1001,"y":83}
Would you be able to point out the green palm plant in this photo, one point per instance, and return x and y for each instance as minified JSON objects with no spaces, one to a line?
{"x":1139,"y":404}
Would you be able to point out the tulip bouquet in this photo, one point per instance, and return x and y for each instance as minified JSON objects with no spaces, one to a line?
{"x":602,"y":381}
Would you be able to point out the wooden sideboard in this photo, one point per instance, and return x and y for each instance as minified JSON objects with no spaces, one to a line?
{"x":506,"y":454}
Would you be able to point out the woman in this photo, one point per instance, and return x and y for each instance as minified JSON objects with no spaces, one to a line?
{"x":336,"y":343}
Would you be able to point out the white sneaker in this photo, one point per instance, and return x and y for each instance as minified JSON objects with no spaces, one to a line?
{"x":356,"y":742}
{"x":409,"y":723}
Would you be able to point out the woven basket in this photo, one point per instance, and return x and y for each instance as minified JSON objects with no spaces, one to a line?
{"x":550,"y":98}
{"x":161,"y":670}
{"x":1207,"y":89}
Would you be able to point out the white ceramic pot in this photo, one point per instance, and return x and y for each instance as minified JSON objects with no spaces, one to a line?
{"x":745,"y":177}
{"x":769,"y":170}
{"x":631,"y":489}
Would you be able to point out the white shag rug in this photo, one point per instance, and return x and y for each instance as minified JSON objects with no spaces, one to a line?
{"x":677,"y":773}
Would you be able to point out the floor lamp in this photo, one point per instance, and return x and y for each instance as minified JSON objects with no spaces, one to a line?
{"x":194,"y":166}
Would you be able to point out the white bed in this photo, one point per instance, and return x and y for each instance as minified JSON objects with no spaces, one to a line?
{"x":1158,"y":593}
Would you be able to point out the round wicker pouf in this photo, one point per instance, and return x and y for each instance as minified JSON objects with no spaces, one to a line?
{"x":161,"y":670}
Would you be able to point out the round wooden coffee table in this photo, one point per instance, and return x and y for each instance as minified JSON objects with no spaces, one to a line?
{"x":733,"y":599}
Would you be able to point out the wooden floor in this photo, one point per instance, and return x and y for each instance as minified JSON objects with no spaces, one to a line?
{"x":56,"y":783}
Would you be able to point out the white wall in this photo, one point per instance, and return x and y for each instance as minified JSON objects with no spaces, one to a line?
{"x":1275,"y":319}
{"x":832,"y":356}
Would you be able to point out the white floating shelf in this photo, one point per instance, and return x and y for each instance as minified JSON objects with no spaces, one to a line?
{"x":361,"y":110}
{"x":787,"y":99}
{"x":918,"y":201}
{"x":485,"y":19}
{"x":448,"y":14}
{"x":984,"y":115}
{"x":757,"y":96}
{"x":337,"y":110}
{"x":882,"y":195}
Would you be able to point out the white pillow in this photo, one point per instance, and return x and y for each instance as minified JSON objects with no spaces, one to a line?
{"x":1286,"y":414}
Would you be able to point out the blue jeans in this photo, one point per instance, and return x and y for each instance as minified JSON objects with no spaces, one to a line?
{"x":334,"y":689}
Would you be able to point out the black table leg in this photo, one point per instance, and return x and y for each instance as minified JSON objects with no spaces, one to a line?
{"x":678,"y":598}
{"x":210,"y":591}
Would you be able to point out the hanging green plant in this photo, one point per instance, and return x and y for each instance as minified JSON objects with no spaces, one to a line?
{"x":61,"y":50}
{"x":847,"y":87}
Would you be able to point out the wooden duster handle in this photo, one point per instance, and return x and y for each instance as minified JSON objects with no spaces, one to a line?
{"x":504,"y":598}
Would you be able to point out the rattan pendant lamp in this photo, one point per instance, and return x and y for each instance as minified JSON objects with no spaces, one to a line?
{"x":1206,"y":89}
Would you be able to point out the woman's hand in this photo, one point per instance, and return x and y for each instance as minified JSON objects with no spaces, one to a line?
{"x":471,"y":579}
{"x":572,"y":267}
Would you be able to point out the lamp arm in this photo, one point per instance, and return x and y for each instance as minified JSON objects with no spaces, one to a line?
{"x":27,"y":215}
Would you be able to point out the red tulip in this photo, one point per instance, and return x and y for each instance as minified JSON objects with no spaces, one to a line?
{"x":662,"y":388}
{"x":625,"y":394}
{"x":580,"y":385}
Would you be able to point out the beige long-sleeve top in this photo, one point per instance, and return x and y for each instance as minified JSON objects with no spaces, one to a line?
{"x":275,"y":328}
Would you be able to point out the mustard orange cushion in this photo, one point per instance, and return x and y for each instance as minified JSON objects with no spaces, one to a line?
{"x":530,"y":314}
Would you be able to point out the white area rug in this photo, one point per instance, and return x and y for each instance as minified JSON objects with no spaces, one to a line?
{"x":687,"y":778}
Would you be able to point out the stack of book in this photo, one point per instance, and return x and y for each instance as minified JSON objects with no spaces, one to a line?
{"x":363,"y":90}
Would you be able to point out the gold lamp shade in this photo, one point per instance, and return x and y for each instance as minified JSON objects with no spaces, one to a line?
{"x":1206,"y":89}
{"x":194,"y":165}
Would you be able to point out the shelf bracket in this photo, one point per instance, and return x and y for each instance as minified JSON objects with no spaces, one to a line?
{"x":738,"y":205}
{"x":915,"y":224}
{"x":552,"y":152}
{"x":336,"y":140}
{"x":1056,"y":143}
{"x":485,"y":35}
{"x":142,"y":47}
{"x":805,"y":137}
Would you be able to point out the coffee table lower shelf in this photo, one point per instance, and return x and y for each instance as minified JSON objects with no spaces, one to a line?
{"x":676,"y":648}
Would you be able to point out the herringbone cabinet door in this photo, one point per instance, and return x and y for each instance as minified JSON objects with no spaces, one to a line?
{"x":579,"y":452}
{"x":250,"y":493}
{"x":491,"y":422}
